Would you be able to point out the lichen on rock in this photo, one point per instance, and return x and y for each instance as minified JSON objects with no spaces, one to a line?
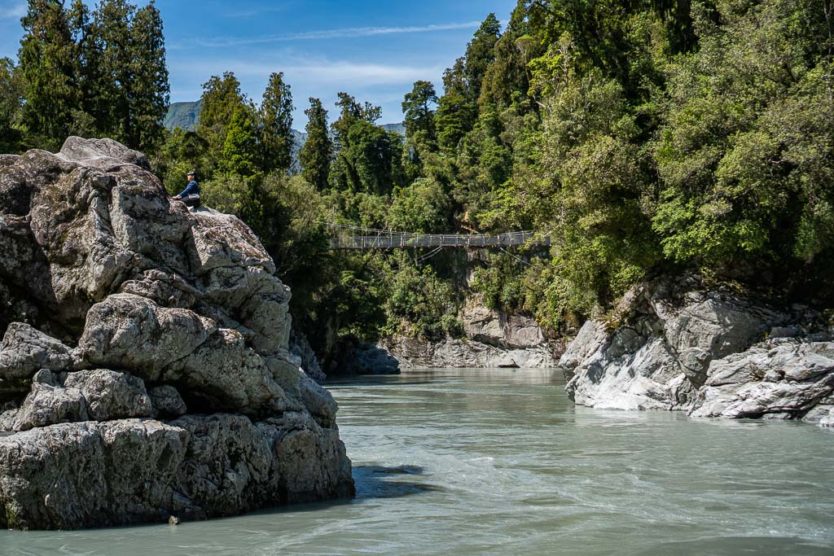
{"x":144,"y":368}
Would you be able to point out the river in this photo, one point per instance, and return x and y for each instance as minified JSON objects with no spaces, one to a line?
{"x":501,"y":462}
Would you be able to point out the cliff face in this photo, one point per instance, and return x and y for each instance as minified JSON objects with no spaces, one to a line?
{"x":491,"y":339}
{"x":680,"y":346}
{"x":144,"y":367}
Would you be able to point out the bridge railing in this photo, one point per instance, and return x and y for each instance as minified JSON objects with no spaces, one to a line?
{"x":406,"y":240}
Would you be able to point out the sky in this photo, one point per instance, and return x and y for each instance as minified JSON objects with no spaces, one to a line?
{"x":372,"y":49}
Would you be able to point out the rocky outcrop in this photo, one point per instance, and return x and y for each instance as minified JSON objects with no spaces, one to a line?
{"x":491,"y":339}
{"x":304,"y":355}
{"x":676,"y":345}
{"x":364,"y":358}
{"x":464,"y":353}
{"x":145,"y":369}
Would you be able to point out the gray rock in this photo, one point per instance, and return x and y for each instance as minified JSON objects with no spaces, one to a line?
{"x":167,"y":402}
{"x":134,"y":333}
{"x":498,"y":329}
{"x":93,"y":253}
{"x":82,"y":474}
{"x":822,"y":414}
{"x":105,"y":154}
{"x":226,"y":375}
{"x":493,"y":339}
{"x":702,"y":352}
{"x":783,"y":377}
{"x":463,"y":353}
{"x":7,"y":419}
{"x":111,"y":395}
{"x":370,"y":359}
{"x":307,"y":360}
{"x":25,"y":350}
{"x":47,"y":405}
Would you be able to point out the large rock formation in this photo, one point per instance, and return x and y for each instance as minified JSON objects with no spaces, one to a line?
{"x":491,"y":339}
{"x":144,"y":367}
{"x":676,"y":345}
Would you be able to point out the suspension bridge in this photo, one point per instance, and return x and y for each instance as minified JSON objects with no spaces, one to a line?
{"x":350,"y":237}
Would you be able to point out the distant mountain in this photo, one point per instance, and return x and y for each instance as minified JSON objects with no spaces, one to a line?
{"x":183,"y":115}
{"x":396,"y":128}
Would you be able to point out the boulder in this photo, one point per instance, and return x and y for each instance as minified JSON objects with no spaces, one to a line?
{"x":174,"y":314}
{"x":497,"y":328}
{"x":167,"y":402}
{"x":134,"y":333}
{"x":786,"y":377}
{"x":676,"y":345}
{"x":23,"y":352}
{"x":68,"y":476}
{"x":111,"y":395}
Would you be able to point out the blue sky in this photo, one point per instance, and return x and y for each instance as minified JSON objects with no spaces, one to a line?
{"x":372,"y":49}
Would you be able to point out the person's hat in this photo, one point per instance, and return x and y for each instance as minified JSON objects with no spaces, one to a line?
{"x":192,"y":173}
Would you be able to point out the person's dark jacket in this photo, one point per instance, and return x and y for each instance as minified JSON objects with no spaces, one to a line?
{"x":193,"y":188}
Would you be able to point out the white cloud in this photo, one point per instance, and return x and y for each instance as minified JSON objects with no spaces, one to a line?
{"x":13,"y":11}
{"x":344,"y":33}
{"x":315,"y":71}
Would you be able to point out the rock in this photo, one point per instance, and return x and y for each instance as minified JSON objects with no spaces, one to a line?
{"x":134,"y":333}
{"x":370,"y":359}
{"x":7,"y":419}
{"x":678,"y":346}
{"x":499,"y":329}
{"x":78,"y":475}
{"x":224,"y":374}
{"x":93,"y":254}
{"x":83,"y":474}
{"x":822,"y":414}
{"x":167,"y":402}
{"x":787,"y":377}
{"x":307,"y":360}
{"x":463,"y":353}
{"x":47,"y":405}
{"x":111,"y":395}
{"x":23,"y":352}
{"x":104,"y":154}
{"x":493,"y":339}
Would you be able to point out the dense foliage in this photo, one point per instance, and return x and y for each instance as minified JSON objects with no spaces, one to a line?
{"x":91,"y":74}
{"x":640,"y":136}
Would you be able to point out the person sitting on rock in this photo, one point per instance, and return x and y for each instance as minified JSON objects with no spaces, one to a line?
{"x":191,"y":194}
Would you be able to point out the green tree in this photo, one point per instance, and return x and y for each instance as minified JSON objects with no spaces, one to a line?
{"x":240,"y":146}
{"x":181,"y":152}
{"x":368,"y":158}
{"x":276,"y":124}
{"x":221,"y":98}
{"x":111,"y":30}
{"x":456,"y":113}
{"x":149,"y":96}
{"x":9,"y":108}
{"x":317,"y":151}
{"x":741,"y":183}
{"x":419,"y":116}
{"x":351,"y":111}
{"x":480,"y":53}
{"x":49,"y":77}
{"x":423,"y":206}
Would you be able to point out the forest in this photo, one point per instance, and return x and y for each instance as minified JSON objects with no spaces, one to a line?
{"x":642,"y":137}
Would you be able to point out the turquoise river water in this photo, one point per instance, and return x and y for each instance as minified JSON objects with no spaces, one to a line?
{"x":501,"y":462}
